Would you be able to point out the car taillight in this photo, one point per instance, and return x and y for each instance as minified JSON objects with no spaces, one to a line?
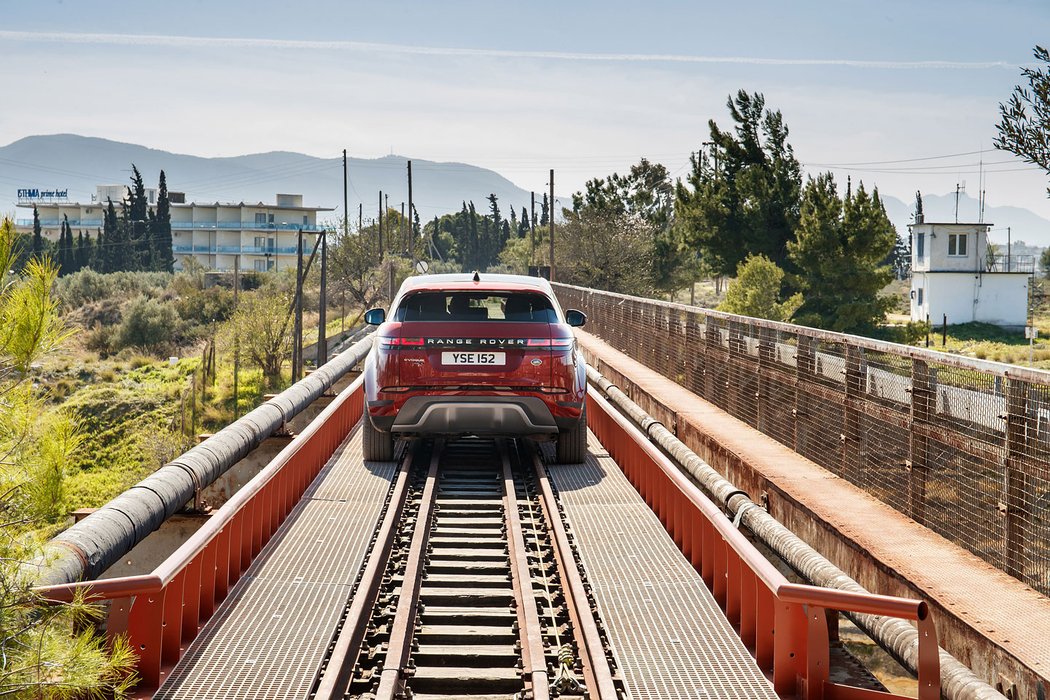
{"x":386,"y":342}
{"x":549,"y":343}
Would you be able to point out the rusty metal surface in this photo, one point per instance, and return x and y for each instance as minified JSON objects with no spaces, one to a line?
{"x":671,"y":638}
{"x":269,"y":636}
{"x":960,"y":445}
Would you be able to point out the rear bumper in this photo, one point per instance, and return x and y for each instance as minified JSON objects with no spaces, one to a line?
{"x":471,"y":415}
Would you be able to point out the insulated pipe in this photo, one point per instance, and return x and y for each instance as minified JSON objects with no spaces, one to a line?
{"x":98,"y":541}
{"x":895,"y":636}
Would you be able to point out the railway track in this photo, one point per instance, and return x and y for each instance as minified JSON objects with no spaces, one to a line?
{"x":471,"y":589}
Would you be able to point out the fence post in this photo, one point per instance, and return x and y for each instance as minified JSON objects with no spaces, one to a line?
{"x":856,"y":380}
{"x":1016,"y":484}
{"x":712,"y":348}
{"x":766,"y":358}
{"x":918,"y":439}
{"x":805,"y":363}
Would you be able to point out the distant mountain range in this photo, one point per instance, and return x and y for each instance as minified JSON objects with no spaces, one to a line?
{"x":79,"y":163}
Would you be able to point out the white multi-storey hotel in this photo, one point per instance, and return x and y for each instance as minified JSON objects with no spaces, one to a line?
{"x":264,"y":236}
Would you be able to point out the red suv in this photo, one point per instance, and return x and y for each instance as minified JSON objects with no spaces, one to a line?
{"x":475,"y":354}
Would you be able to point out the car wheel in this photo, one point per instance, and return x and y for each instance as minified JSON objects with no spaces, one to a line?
{"x":572,"y":444}
{"x":376,"y":446}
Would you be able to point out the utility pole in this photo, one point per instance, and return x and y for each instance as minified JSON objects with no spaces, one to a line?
{"x":1008,"y":249}
{"x":236,"y":339}
{"x":346,"y":210}
{"x":360,"y":215}
{"x":532,"y":232}
{"x":404,"y":244}
{"x":550,"y":215}
{"x":322,"y":313}
{"x":411,"y":210}
{"x":380,"y":225}
{"x":297,"y":341}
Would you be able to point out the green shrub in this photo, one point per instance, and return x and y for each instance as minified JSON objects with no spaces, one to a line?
{"x":87,"y":286}
{"x":147,"y":323}
{"x":206,"y":305}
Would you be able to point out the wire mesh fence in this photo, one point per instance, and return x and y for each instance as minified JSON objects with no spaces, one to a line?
{"x":959,"y":445}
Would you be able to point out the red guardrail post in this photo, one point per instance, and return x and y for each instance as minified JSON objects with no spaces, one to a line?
{"x":191,"y":595}
{"x":173,"y":619}
{"x":789,"y":647}
{"x":145,"y":629}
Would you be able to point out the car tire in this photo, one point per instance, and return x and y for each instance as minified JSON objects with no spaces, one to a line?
{"x":572,"y":444}
{"x":376,"y":446}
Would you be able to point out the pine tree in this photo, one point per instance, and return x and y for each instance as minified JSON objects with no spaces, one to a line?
{"x":160,"y":230}
{"x":840,"y":249}
{"x":38,"y":238}
{"x":544,"y":211}
{"x":744,"y":198}
{"x":523,"y":227}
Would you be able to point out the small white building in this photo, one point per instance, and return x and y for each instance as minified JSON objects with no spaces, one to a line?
{"x":265,"y":236}
{"x":956,"y":278}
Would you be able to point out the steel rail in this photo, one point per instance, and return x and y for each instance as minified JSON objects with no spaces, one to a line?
{"x":530,"y":630}
{"x":338,"y":671}
{"x":391,"y":681}
{"x":597,"y":674}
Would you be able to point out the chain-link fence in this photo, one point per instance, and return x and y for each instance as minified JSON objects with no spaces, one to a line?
{"x":959,"y":445}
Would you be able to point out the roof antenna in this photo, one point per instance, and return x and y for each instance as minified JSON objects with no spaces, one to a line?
{"x":477,"y":277}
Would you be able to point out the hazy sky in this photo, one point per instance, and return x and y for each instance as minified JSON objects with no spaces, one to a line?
{"x":880,"y":89}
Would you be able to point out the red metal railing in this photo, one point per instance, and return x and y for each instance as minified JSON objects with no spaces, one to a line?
{"x":162,"y":612}
{"x":784,"y":625}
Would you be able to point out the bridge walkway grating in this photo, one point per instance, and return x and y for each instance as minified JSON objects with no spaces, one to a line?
{"x":268,"y":638}
{"x":670,"y":636}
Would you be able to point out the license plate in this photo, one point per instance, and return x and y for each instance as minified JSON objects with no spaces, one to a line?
{"x":473,"y":358}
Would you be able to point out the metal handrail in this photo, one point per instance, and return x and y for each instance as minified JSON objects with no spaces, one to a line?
{"x":788,"y":634}
{"x":1001,"y":369}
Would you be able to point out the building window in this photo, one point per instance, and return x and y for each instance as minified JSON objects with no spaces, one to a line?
{"x":920,"y":246}
{"x":918,"y":297}
{"x":260,"y":218}
{"x":306,"y":220}
{"x":957,"y":244}
{"x":260,"y":265}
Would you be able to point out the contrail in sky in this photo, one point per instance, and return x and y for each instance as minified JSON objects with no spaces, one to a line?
{"x":366,"y":47}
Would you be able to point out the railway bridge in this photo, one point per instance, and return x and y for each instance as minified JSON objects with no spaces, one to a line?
{"x":754,"y":494}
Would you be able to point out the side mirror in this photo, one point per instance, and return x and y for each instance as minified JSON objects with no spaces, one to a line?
{"x":374,"y":317}
{"x":575,"y":318}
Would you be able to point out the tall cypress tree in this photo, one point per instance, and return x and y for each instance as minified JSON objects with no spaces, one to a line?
{"x":136,"y":212}
{"x":65,"y":248}
{"x":160,"y":230}
{"x":544,"y":211}
{"x":114,"y":253}
{"x":98,"y":252}
{"x":38,"y":238}
{"x":82,"y":257}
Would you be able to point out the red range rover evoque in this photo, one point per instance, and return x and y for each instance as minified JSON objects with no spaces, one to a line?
{"x":475,"y":354}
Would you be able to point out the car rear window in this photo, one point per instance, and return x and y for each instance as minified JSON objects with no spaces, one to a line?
{"x":476,"y":306}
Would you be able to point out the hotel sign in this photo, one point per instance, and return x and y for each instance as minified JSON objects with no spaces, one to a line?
{"x":33,"y":194}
